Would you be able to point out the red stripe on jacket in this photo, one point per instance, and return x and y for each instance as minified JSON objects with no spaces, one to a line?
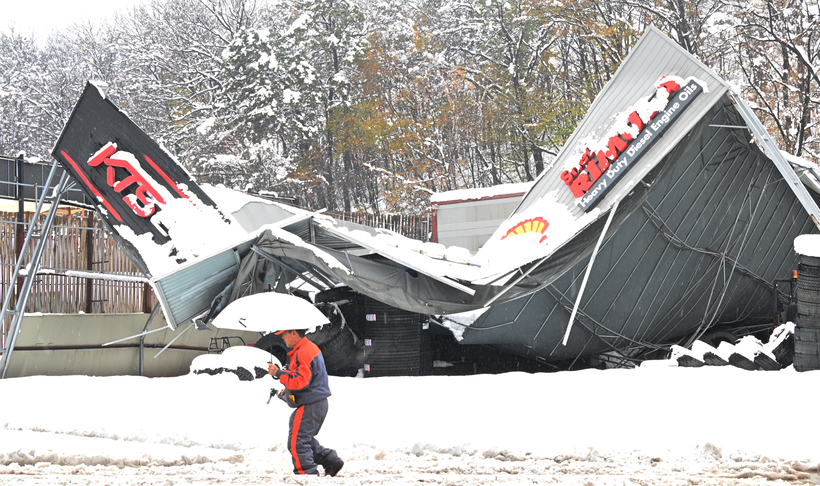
{"x":298,"y":373}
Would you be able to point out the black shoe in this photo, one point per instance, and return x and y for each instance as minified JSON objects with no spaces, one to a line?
{"x":335,"y":468}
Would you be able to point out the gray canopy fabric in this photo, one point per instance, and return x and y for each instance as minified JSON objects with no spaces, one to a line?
{"x":273,"y":262}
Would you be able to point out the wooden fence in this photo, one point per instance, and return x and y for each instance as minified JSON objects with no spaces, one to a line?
{"x":76,"y":242}
{"x":411,"y":226}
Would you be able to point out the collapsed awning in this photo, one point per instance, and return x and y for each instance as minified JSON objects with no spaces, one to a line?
{"x":192,"y":241}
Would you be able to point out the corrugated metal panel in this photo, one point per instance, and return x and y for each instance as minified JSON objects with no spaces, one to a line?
{"x":328,"y":239}
{"x":715,"y":229}
{"x":256,"y":214}
{"x":300,"y":229}
{"x":655,"y":55}
{"x":188,"y":292}
{"x":786,"y":170}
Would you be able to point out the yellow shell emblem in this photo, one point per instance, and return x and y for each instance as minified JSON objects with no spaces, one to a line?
{"x":534,"y":225}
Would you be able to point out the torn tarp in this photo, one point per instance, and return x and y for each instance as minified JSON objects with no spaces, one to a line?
{"x":396,"y":285}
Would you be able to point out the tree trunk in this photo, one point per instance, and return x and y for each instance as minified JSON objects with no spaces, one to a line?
{"x":538,"y":156}
{"x":347,"y":157}
{"x":526,"y":159}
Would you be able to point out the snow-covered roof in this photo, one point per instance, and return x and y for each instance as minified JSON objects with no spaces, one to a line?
{"x":461,"y":195}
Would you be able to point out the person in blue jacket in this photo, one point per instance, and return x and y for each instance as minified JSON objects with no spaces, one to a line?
{"x":306,"y":390}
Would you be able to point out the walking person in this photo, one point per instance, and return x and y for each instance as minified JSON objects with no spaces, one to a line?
{"x":306,"y":390}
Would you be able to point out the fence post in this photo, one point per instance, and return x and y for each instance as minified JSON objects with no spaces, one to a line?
{"x":147,"y":298}
{"x":89,"y":262}
{"x":21,"y":219}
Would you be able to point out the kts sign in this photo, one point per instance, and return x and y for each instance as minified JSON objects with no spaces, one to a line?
{"x":598,"y":171}
{"x":128,"y":175}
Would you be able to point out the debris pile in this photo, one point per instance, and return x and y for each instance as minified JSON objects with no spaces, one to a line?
{"x":245,"y":362}
{"x":748,"y":353}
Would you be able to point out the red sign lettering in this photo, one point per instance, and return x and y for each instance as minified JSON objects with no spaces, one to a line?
{"x":145,"y":196}
{"x":593,"y":165}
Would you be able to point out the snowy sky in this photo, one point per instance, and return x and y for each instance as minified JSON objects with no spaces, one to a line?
{"x":41,"y":17}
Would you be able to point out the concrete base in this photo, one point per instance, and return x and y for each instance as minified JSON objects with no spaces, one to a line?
{"x":71,"y":344}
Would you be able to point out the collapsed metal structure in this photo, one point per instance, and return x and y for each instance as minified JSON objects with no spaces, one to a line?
{"x":701,"y":250}
{"x":679,"y":223}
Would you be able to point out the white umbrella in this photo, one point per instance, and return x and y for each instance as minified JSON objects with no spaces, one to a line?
{"x":270,"y":312}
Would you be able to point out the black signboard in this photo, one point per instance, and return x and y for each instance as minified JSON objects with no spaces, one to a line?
{"x":646,"y":138}
{"x":128,"y":176}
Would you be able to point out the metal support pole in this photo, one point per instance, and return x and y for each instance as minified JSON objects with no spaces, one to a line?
{"x":142,"y":338}
{"x":19,"y":264}
{"x":29,"y":234}
{"x":22,"y":299}
{"x":172,"y":340}
{"x":589,"y":270}
{"x":21,"y":219}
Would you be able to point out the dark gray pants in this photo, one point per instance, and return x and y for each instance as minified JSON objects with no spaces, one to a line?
{"x":307,"y":452}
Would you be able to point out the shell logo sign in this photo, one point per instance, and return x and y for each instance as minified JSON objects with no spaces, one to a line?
{"x":534,"y":225}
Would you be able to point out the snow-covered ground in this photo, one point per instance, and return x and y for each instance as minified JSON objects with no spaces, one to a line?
{"x":651,"y":425}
